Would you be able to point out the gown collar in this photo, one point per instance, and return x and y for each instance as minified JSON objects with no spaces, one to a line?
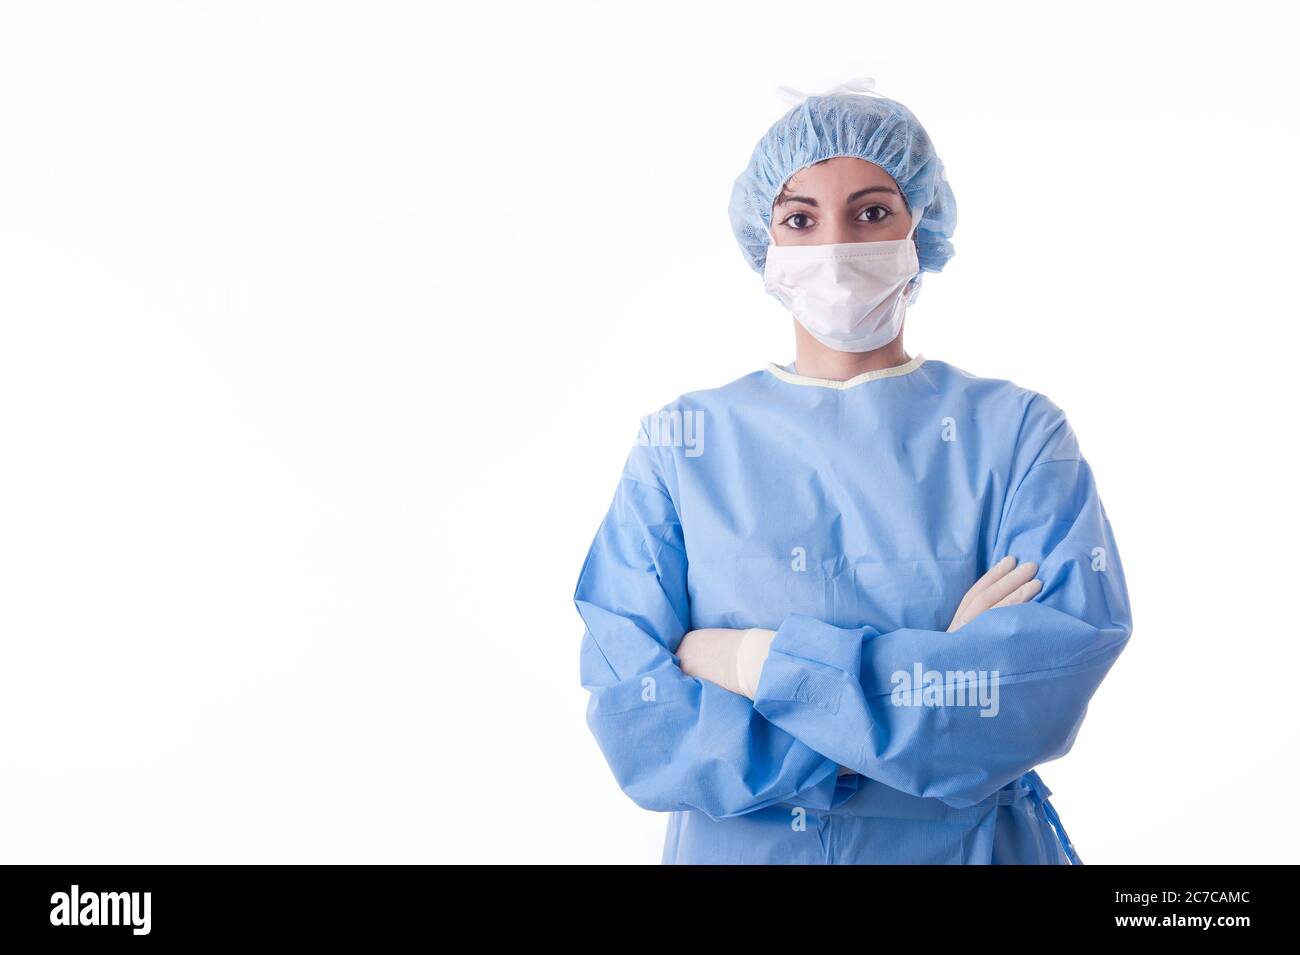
{"x":790,"y":377}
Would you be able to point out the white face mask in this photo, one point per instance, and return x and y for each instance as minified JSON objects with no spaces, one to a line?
{"x":851,"y":296}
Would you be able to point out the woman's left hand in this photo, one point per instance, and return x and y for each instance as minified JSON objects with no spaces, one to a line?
{"x":711,"y":654}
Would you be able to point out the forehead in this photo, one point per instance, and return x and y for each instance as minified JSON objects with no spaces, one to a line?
{"x":838,"y":174}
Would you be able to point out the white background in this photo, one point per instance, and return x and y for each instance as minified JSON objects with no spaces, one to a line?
{"x":325,"y":329}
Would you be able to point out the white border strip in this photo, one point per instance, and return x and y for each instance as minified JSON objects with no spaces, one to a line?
{"x":879,"y":373}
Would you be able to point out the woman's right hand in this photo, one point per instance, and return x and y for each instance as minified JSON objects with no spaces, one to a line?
{"x":1003,"y":586}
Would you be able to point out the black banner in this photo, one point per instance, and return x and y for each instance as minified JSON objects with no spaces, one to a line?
{"x":368,"y":904}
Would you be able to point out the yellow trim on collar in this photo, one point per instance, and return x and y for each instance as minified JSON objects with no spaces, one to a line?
{"x":896,"y":371}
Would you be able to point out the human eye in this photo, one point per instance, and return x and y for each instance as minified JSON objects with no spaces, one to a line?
{"x":790,"y":219}
{"x":885,"y":210}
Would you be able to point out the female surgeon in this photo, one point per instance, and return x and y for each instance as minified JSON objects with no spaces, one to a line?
{"x":840,"y":609}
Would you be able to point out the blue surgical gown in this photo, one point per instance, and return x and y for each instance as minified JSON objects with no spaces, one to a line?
{"x":851,"y":518}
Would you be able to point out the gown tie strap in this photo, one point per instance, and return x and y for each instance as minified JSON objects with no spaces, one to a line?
{"x":1039,"y":792}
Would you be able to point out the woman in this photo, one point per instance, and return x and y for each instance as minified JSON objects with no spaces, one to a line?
{"x":839,"y":610}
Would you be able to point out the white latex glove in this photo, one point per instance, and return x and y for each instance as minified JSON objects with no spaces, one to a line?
{"x":1002,"y":586}
{"x":733,"y":659}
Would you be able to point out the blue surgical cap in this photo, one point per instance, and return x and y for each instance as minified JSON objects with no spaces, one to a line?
{"x":867,"y":126}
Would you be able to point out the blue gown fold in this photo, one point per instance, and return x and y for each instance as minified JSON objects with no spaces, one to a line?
{"x":673,"y":742}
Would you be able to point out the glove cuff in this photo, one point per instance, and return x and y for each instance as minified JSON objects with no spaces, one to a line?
{"x":750,"y":657}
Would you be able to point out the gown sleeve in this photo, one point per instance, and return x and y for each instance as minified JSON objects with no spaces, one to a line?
{"x":674,"y":742}
{"x":852,"y":694}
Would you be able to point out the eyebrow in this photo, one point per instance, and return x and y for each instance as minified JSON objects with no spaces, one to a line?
{"x":808,"y":200}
